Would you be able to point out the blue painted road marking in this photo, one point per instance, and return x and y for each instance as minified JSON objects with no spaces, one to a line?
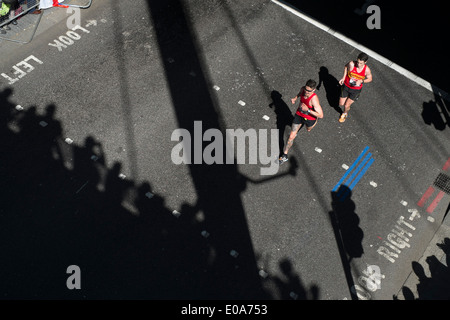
{"x":350,"y":169}
{"x":351,"y":181}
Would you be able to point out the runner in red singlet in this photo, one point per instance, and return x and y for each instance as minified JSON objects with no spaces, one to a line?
{"x":308,"y":111}
{"x":356,"y":73}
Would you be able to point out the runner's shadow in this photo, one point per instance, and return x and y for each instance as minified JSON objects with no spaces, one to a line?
{"x":332,"y":88}
{"x":284,"y":116}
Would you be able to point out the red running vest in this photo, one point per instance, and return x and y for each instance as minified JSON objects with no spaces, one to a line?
{"x":306,"y":102}
{"x":353,"y":75}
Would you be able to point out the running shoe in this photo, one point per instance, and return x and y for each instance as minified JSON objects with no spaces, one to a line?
{"x":343,"y":117}
{"x":283,"y":159}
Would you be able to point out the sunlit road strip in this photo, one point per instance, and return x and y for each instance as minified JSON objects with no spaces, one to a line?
{"x":356,"y":174}
{"x":427,"y":85}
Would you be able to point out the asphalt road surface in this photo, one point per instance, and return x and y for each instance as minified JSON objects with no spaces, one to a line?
{"x":91,"y":119}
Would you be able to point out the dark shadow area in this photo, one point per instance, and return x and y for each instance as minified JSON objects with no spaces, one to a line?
{"x":446,"y":211}
{"x":291,"y":286}
{"x":62,"y":206}
{"x":284,"y":116}
{"x":399,"y":33}
{"x":436,"y":113}
{"x":293,"y":167}
{"x":124,"y":86}
{"x":332,"y":88}
{"x":348,"y":234}
{"x":218,"y":187}
{"x":437,"y":285}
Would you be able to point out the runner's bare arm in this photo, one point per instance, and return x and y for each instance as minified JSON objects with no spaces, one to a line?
{"x":368,"y":76}
{"x":347,"y":67}
{"x":317,"y":109}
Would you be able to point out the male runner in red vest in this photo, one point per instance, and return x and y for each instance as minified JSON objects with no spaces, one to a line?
{"x":308,"y":111}
{"x":356,"y":73}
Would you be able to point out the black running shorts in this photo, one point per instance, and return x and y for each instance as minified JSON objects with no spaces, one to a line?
{"x":351,"y":93}
{"x":300,"y":120}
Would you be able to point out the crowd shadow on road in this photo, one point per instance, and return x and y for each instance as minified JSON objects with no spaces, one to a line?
{"x":291,"y":285}
{"x":63,"y":205}
{"x":437,"y":285}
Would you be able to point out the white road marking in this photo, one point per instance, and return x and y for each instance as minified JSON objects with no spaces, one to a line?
{"x":234,"y":253}
{"x":414,"y":214}
{"x":205,"y":234}
{"x":93,"y":22}
{"x":176,"y":213}
{"x":263,"y":274}
{"x":25,"y":64}
{"x":84,"y":185}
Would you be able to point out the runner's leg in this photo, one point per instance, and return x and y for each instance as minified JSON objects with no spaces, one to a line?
{"x":348,"y":104}
{"x":343,"y":98}
{"x":311,"y":126}
{"x":292,"y":135}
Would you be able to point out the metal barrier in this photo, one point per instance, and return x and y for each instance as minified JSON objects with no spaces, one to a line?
{"x":84,"y":6}
{"x":10,"y":13}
